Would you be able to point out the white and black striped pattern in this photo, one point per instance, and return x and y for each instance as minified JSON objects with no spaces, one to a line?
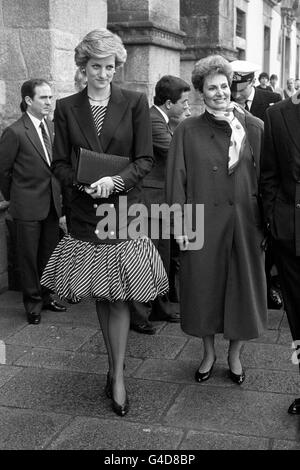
{"x":98,"y":115}
{"x":119,"y":184}
{"x":129,"y":270}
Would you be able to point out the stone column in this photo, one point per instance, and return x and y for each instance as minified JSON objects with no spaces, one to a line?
{"x":37,"y":39}
{"x":151,"y":33}
{"x":209,"y":28}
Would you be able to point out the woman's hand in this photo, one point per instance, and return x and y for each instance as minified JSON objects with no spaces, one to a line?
{"x":101,"y":188}
{"x":183,"y":242}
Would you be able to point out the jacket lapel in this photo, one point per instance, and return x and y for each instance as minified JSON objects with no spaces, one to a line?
{"x":116,"y":108}
{"x":161,"y":118}
{"x":83,"y":115}
{"x":33,"y":137}
{"x":291,"y":116}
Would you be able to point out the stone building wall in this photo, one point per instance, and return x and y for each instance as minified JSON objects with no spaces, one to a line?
{"x":37,"y":39}
{"x":151,"y":33}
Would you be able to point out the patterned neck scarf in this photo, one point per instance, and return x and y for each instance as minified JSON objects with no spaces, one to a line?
{"x":237,"y":135}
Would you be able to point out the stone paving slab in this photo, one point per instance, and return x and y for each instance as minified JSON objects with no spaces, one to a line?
{"x":83,"y":394}
{"x":93,"y":433}
{"x":285,"y":445}
{"x":54,"y":337}
{"x":141,"y":346}
{"x":284,"y":324}
{"x":14,"y":352}
{"x":26,"y":430}
{"x":196,"y":440}
{"x":72,"y":361}
{"x":285,"y":338}
{"x":275,"y":318}
{"x":183,"y":372}
{"x":267,"y":356}
{"x":7,"y":372}
{"x":173,"y":329}
{"x":10,"y":325}
{"x":234,"y":411}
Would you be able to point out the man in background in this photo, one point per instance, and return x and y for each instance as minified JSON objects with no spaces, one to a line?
{"x":280,"y":188}
{"x":27,"y":182}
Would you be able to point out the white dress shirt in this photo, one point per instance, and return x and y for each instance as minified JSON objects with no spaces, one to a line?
{"x":250,"y":99}
{"x":163,"y":113}
{"x":36,"y":122}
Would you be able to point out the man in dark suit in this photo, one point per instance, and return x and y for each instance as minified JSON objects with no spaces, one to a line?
{"x":257,"y":101}
{"x":27,"y":182}
{"x":280,"y":188}
{"x":170,"y":102}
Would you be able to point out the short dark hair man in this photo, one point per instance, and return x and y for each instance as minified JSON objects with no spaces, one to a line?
{"x":170,"y":102}
{"x":263,"y":79}
{"x":280,"y":188}
{"x":27,"y":182}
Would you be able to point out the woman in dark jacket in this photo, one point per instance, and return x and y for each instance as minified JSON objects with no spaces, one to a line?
{"x":214,"y":161}
{"x":99,"y":259}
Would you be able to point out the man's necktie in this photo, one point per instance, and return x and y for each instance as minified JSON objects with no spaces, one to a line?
{"x":246,"y":106}
{"x":46,"y":141}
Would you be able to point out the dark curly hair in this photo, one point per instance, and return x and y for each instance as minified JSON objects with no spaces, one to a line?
{"x":209,"y":66}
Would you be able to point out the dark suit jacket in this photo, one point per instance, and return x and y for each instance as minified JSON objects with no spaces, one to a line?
{"x":154,"y":182}
{"x":25,"y":176}
{"x":280,"y":172}
{"x":261,"y":102}
{"x":126,"y":132}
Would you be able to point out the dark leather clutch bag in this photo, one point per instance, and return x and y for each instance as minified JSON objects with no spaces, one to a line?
{"x":91,"y":166}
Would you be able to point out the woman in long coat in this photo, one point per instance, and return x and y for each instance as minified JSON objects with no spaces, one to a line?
{"x":214,"y":160}
{"x":111,"y":266}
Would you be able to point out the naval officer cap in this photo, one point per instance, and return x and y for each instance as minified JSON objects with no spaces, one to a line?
{"x":243,"y":71}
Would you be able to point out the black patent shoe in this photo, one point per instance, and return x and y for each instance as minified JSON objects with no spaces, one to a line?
{"x":108,"y":386}
{"x":294,"y":409}
{"x":33,"y":318}
{"x":202,"y":376}
{"x":236,"y":378}
{"x":121,"y":410}
{"x":274,"y":299}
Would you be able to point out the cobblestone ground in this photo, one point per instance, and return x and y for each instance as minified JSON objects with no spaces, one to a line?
{"x":53,"y":374}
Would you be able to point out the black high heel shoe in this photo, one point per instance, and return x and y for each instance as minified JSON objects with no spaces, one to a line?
{"x":236,"y":378}
{"x":202,"y":376}
{"x":120,"y":410}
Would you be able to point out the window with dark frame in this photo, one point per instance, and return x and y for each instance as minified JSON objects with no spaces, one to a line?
{"x":240,"y":23}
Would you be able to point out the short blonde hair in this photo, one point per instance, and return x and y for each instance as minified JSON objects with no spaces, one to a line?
{"x":100,"y":43}
{"x":209,"y":66}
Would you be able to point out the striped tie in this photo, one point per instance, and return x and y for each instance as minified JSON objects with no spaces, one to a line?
{"x":46,"y":141}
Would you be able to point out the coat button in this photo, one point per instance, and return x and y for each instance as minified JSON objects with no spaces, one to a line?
{"x":298,"y":206}
{"x":215,"y":168}
{"x":96,"y":232}
{"x":95,"y":206}
{"x":112,"y":233}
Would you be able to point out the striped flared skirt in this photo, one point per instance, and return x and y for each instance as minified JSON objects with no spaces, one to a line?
{"x":129,"y":270}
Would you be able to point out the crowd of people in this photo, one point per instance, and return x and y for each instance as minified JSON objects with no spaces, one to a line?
{"x":245,"y":176}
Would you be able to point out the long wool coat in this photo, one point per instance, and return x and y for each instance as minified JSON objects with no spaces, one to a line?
{"x":223,"y":287}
